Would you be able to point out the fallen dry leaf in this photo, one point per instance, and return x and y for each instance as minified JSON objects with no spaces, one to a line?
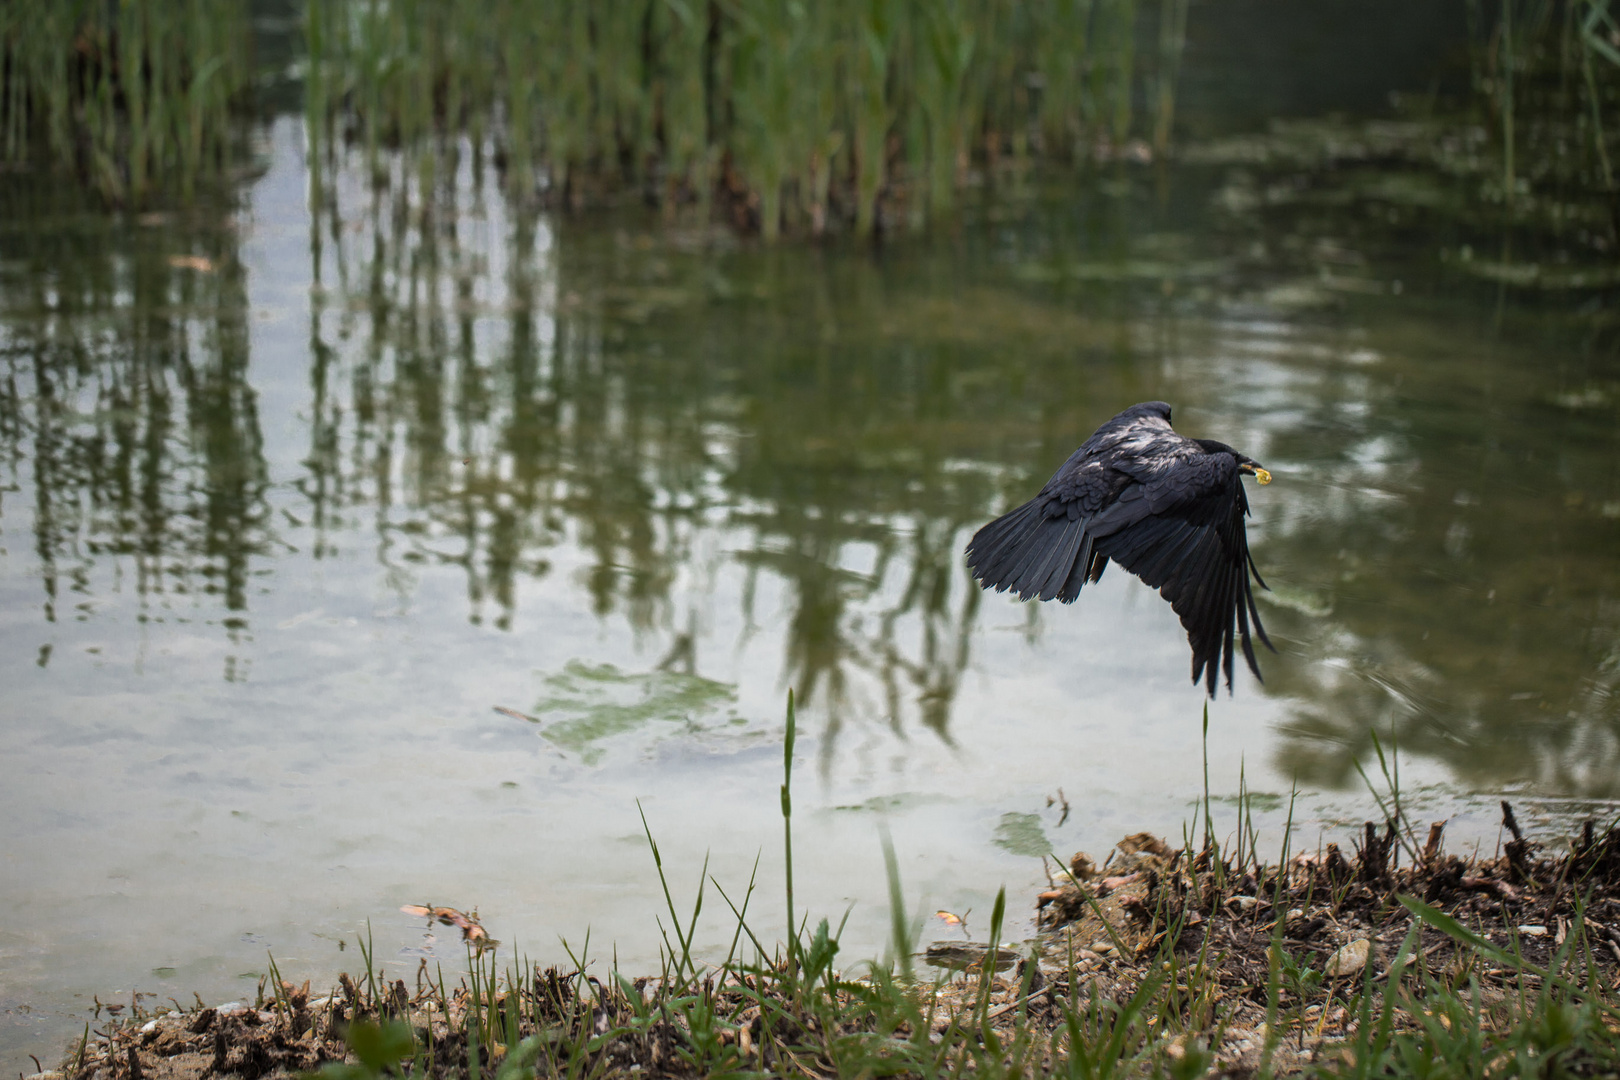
{"x":1109,"y":884}
{"x":1488,"y":884}
{"x":1144,"y":842}
{"x":471,"y":929}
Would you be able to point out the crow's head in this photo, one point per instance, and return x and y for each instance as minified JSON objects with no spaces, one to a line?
{"x":1246,"y":463}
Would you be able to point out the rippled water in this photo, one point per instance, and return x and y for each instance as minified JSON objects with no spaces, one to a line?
{"x":410,"y":551}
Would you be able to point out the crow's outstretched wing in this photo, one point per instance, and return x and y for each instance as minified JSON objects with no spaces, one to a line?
{"x":1044,"y":550}
{"x":1182,"y":533}
{"x":1036,"y":552}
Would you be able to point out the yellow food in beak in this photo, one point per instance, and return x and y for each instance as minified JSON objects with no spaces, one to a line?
{"x":1259,"y":474}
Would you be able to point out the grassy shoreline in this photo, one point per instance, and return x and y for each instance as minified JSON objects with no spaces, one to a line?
{"x":1386,"y":956}
{"x":1177,"y":962}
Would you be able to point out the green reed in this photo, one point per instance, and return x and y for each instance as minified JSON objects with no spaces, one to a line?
{"x":133,"y":97}
{"x":1547,"y":72}
{"x":797,"y":115}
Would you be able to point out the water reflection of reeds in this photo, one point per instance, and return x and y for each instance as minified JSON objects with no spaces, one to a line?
{"x":1446,"y":574}
{"x":843,"y":431}
{"x":521,"y":401}
{"x":484,"y":390}
{"x":128,"y":405}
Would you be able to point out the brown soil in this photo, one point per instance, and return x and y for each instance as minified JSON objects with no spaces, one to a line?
{"x":1103,"y":932}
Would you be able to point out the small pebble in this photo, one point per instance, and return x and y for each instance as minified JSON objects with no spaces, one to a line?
{"x":1349,"y":960}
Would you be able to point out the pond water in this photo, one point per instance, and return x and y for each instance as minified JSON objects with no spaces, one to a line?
{"x":410,"y":551}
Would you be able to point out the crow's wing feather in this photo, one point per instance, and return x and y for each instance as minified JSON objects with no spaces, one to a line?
{"x":1184,"y":535}
{"x":1044,"y":548}
{"x":1088,"y":566}
{"x":1053,"y":573}
{"x":996,"y":548}
{"x":1030,"y":554}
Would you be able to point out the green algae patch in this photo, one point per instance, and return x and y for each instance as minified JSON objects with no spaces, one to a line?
{"x":588,"y":705}
{"x":1022,"y":834}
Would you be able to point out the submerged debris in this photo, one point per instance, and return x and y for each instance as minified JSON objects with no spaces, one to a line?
{"x":471,"y":929}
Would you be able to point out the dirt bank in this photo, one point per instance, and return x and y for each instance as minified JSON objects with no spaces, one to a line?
{"x":1164,"y":957}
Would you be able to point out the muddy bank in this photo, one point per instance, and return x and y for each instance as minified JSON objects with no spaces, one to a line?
{"x":1200,"y":961}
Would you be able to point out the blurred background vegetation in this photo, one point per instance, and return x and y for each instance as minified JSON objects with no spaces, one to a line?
{"x":773,"y":117}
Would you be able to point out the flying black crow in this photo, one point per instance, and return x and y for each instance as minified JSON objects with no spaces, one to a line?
{"x":1167,"y":508}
